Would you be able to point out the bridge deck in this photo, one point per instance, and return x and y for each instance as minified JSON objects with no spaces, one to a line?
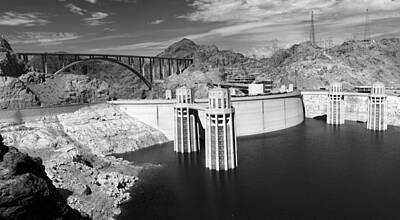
{"x":96,"y":55}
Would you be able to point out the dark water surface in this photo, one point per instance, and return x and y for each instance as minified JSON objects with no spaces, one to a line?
{"x":312,"y":171}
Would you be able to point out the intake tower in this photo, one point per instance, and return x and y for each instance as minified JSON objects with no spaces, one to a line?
{"x":336,"y":105}
{"x":187,"y":125}
{"x":221,"y":145}
{"x":377,"y":108}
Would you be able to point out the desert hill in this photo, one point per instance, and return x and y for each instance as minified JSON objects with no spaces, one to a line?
{"x":354,"y":63}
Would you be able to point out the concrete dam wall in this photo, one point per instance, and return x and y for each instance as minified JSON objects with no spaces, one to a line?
{"x":254,"y":115}
{"x":315,"y":104}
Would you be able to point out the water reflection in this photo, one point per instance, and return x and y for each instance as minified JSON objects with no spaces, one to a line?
{"x":189,"y":159}
{"x":222,"y":178}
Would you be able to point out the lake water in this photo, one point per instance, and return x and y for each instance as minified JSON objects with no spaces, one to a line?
{"x":312,"y":171}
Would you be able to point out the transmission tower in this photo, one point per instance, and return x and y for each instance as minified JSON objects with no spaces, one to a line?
{"x":312,"y":33}
{"x":366,"y":27}
{"x":275,"y":46}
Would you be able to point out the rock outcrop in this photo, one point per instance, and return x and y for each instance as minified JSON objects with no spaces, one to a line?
{"x":14,"y":94}
{"x":10,"y":65}
{"x":66,"y":89}
{"x":25,"y":190}
{"x":106,"y":130}
{"x":184,"y":48}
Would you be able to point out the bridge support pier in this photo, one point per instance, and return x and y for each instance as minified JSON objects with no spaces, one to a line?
{"x":187,"y":123}
{"x":377,"y":108}
{"x":221,"y":144}
{"x":336,"y":105}
{"x":44,"y":64}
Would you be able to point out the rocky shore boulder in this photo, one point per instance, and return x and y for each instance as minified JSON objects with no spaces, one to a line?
{"x":25,"y":190}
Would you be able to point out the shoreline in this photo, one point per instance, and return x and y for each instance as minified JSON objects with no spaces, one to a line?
{"x":76,"y":149}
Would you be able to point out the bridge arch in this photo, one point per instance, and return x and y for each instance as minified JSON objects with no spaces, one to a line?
{"x":148,"y":83}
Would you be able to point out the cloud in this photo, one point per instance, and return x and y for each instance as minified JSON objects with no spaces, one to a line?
{"x":158,"y":21}
{"x":23,"y":19}
{"x":42,"y":38}
{"x":92,"y":1}
{"x":147,"y":47}
{"x":75,"y":9}
{"x":97,"y":18}
{"x":125,"y":1}
{"x":258,"y":21}
{"x":95,"y":1}
{"x":109,"y":29}
{"x":236,"y":11}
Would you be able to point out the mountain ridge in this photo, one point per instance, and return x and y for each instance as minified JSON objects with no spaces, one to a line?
{"x":354,"y":63}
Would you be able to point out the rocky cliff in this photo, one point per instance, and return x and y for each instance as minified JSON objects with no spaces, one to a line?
{"x":25,"y":190}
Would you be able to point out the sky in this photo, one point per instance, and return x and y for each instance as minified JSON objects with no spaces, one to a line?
{"x":146,"y":27}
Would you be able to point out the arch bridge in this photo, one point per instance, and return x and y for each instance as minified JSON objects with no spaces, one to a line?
{"x":149,"y":69}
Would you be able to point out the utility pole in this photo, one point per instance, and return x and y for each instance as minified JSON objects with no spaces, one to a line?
{"x":275,"y":46}
{"x":366,"y":27}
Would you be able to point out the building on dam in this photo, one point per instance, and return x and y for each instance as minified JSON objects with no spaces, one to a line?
{"x":221,"y":144}
{"x":168,"y":94}
{"x":187,"y":123}
{"x":336,"y":105}
{"x":377,"y":108}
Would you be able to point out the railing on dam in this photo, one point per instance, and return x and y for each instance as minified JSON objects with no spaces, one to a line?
{"x":326,"y":93}
{"x":254,"y":114}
